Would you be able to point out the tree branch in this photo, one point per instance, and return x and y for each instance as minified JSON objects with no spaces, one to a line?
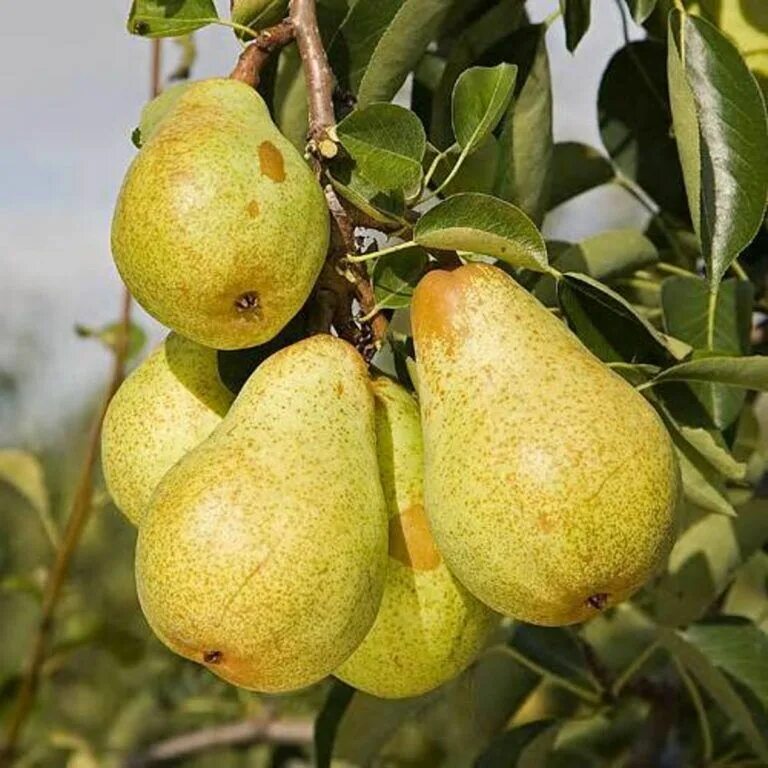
{"x":279,"y":731}
{"x":318,"y":76}
{"x":255,"y":56}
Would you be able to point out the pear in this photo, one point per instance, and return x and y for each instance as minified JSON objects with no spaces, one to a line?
{"x":428,"y":627}
{"x":258,"y":14}
{"x":220,"y":228}
{"x":550,"y":484}
{"x":167,"y":406}
{"x":263,"y":551}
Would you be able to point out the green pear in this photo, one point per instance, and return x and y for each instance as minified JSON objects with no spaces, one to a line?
{"x":258,"y":14}
{"x":428,"y":627}
{"x":263,"y":552}
{"x":220,"y":228}
{"x":167,"y":406}
{"x":551,"y":485}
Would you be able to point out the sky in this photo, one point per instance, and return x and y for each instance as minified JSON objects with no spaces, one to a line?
{"x":72,"y":84}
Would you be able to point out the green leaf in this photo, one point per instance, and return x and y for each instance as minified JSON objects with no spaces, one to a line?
{"x":720,"y":125}
{"x":384,"y":207}
{"x":710,"y":445}
{"x":155,"y":111}
{"x":636,"y":131}
{"x":577,"y":168}
{"x":380,"y":42}
{"x":170,"y":18}
{"x":480,"y":98}
{"x":738,"y":647}
{"x":387,"y":143}
{"x":607,"y":324}
{"x":508,"y":750}
{"x":641,"y":9}
{"x":525,"y":141}
{"x":576,"y":17}
{"x":477,"y":172}
{"x":328,"y":720}
{"x":111,"y":334}
{"x":685,"y":304}
{"x":744,"y":372}
{"x":187,"y":58}
{"x":717,"y":686}
{"x":615,"y":253}
{"x":483,"y":224}
{"x":395,"y":276}
{"x":258,"y":14}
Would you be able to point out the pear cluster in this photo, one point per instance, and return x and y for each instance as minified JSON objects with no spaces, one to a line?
{"x":327,"y":521}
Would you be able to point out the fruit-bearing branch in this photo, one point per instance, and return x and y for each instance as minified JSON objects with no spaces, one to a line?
{"x":255,"y":56}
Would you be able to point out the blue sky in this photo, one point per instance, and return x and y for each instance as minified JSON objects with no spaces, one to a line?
{"x":72,"y":83}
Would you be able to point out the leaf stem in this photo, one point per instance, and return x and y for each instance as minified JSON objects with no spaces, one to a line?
{"x":701,"y":714}
{"x":739,"y":270}
{"x":673,"y":269}
{"x":434,"y":166}
{"x":633,"y":667}
{"x":355,"y":259}
{"x":711,"y":314}
{"x":553,"y":17}
{"x":591,"y":697}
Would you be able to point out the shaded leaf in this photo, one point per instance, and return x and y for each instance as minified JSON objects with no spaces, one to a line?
{"x":170,"y":18}
{"x":641,"y":9}
{"x":614,"y":253}
{"x":480,"y":98}
{"x":577,"y":168}
{"x":717,"y":686}
{"x":720,"y":125}
{"x":483,"y":224}
{"x":607,"y":324}
{"x":525,"y":140}
{"x":507,"y":750}
{"x":328,"y":719}
{"x":576,"y":17}
{"x":477,"y":172}
{"x":385,"y":207}
{"x":395,"y":276}
{"x":387,"y":143}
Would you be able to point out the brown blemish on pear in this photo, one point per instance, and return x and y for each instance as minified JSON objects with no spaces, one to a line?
{"x":410,"y":541}
{"x":271,"y":162}
{"x":252,"y":209}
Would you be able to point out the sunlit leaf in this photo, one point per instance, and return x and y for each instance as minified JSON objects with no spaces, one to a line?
{"x":170,"y":18}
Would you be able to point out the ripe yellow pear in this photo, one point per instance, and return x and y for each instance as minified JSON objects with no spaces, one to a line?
{"x":167,"y":406}
{"x":428,"y":627}
{"x":550,"y":484}
{"x":263,"y":552}
{"x":220,"y":228}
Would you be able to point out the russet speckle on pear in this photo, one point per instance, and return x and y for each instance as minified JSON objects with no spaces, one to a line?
{"x":166,"y":407}
{"x":429,"y":627}
{"x":551,"y":485}
{"x":263,"y":552}
{"x":220,"y":228}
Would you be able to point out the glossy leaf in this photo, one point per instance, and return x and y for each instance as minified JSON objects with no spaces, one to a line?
{"x":486,"y":225}
{"x":170,"y":18}
{"x":380,"y":42}
{"x":720,"y":125}
{"x":577,"y":168}
{"x":387,"y":143}
{"x":576,"y":17}
{"x":525,"y":139}
{"x":718,"y":686}
{"x":480,"y":98}
{"x":395,"y":276}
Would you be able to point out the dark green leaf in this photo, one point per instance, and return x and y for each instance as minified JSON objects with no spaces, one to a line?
{"x":483,"y":224}
{"x":387,"y":143}
{"x":576,"y":17}
{"x":380,"y":42}
{"x":635,"y":123}
{"x":506,"y":750}
{"x":607,"y":323}
{"x":395,"y":276}
{"x":744,"y":372}
{"x":170,"y":18}
{"x":525,"y":141}
{"x":577,"y":168}
{"x":737,"y":647}
{"x":717,"y":686}
{"x":385,"y":207}
{"x":327,"y":722}
{"x":480,"y":98}
{"x":641,"y":9}
{"x":720,"y":125}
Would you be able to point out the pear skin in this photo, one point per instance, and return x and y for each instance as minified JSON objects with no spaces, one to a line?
{"x":220,"y":228}
{"x":429,"y":627}
{"x":551,"y":485}
{"x":166,"y":407}
{"x":263,"y":552}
